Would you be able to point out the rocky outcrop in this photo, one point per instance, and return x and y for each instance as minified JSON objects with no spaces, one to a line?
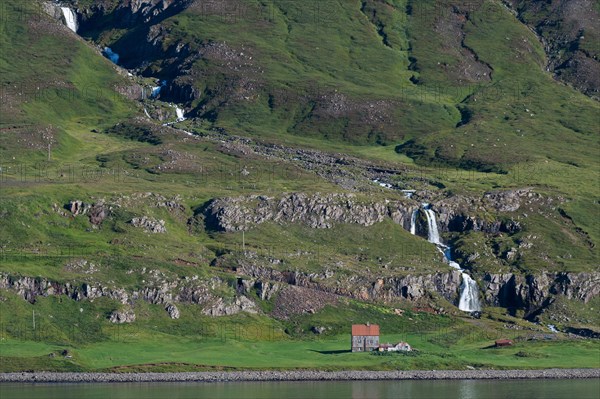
{"x":239,"y":304}
{"x":566,"y":28}
{"x":172,"y":311}
{"x":266,"y":290}
{"x":130,"y":13}
{"x":77,"y":207}
{"x":409,"y":287}
{"x":490,"y":213}
{"x":316,"y":211}
{"x":510,"y":290}
{"x":53,"y":10}
{"x":122,"y":316}
{"x":96,"y":212}
{"x":417,"y":287}
{"x":150,"y":225}
{"x":167,"y":293}
{"x":533,"y":292}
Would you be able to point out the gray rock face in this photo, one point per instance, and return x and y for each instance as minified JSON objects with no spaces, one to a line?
{"x":315,"y":211}
{"x":411,"y":287}
{"x":528,"y":292}
{"x":266,"y":290}
{"x":122,"y":316}
{"x":173,"y":311}
{"x":77,"y":207}
{"x":131,"y":12}
{"x":531,"y":291}
{"x":96,"y":212}
{"x":167,"y":293}
{"x":150,"y":225}
{"x":460,"y":213}
{"x":52,"y":10}
{"x":318,"y":330}
{"x":417,"y":287}
{"x":457,"y":213}
{"x":240,"y":304}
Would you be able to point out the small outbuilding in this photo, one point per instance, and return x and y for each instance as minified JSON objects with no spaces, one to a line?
{"x":399,"y":347}
{"x":365,"y":337}
{"x":503,"y":342}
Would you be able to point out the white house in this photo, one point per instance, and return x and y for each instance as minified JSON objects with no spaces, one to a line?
{"x":400,"y":346}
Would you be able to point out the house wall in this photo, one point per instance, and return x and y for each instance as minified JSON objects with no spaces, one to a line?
{"x":361,"y":343}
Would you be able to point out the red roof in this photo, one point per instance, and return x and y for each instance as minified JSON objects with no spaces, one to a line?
{"x":364,"y":329}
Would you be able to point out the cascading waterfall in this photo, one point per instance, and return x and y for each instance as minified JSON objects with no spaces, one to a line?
{"x":71,"y":21}
{"x":413,"y":222}
{"x":156,"y":89}
{"x":70,"y":18}
{"x":469,"y":294}
{"x":433,"y":234}
{"x":180,"y":114}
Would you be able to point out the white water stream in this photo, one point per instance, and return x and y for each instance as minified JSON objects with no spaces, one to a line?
{"x":413,"y":222}
{"x":70,"y":18}
{"x":469,"y":293}
{"x":180,"y":114}
{"x":71,"y":21}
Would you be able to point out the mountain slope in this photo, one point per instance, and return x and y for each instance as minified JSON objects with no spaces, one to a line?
{"x":243,"y":166}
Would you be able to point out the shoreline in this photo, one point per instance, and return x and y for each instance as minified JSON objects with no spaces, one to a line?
{"x":304,"y":375}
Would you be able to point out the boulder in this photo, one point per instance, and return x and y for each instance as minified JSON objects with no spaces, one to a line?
{"x":173,"y":311}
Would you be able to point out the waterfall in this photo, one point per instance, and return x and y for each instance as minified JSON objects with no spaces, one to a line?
{"x":111,"y":55}
{"x":433,"y":234}
{"x":413,"y":222}
{"x":180,"y":114}
{"x":156,"y":89}
{"x":70,"y":18}
{"x":469,"y":293}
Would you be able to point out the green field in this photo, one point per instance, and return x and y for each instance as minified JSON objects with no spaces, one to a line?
{"x":163,"y":353}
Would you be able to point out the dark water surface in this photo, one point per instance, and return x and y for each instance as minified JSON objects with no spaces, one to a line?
{"x":463,"y":389}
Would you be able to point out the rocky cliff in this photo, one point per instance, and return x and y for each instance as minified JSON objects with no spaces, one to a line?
{"x":531,"y":293}
{"x":534,"y":292}
{"x":489,"y":213}
{"x":162,"y":292}
{"x":315,"y":211}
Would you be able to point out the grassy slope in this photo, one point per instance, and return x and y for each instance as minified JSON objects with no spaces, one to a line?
{"x":157,"y":343}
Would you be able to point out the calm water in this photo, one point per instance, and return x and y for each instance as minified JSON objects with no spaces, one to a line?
{"x":465,"y":389}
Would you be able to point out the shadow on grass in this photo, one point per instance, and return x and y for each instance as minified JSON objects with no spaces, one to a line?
{"x":332,"y":352}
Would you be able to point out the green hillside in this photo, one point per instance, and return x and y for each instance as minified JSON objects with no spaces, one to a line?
{"x":452,"y":99}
